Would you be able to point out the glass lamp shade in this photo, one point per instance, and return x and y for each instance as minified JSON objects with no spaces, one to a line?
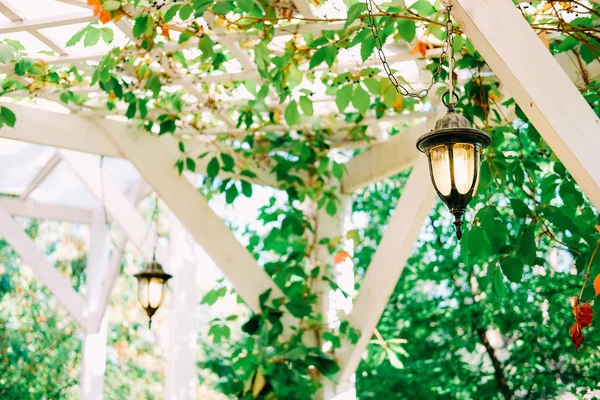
{"x":454,"y":152}
{"x":151,"y":287}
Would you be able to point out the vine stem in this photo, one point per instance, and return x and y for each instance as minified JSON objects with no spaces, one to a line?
{"x":589,"y":267}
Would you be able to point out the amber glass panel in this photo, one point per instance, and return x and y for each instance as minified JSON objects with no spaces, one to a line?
{"x":464,"y":166}
{"x":440,"y":169}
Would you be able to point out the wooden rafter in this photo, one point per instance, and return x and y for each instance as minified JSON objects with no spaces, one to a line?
{"x":539,"y":85}
{"x":389,"y":261}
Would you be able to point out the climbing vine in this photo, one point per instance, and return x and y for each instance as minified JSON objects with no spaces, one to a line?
{"x":173,"y":78}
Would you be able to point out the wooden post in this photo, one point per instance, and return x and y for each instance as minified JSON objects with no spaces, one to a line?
{"x":180,"y":365}
{"x":94,"y":344}
{"x":329,"y":302}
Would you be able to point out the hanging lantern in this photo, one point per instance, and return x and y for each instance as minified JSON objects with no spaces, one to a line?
{"x":151,"y":287}
{"x":454,"y":150}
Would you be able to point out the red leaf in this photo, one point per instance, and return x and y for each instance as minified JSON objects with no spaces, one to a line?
{"x":576,"y":335}
{"x":598,"y":228}
{"x":584,"y":315}
{"x":340,"y":257}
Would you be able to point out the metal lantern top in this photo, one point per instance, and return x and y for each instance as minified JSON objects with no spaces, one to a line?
{"x":453,"y":128}
{"x":153,"y":270}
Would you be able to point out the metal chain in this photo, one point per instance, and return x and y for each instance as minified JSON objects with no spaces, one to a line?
{"x":448,"y":44}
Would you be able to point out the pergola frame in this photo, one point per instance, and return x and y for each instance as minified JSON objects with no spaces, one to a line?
{"x":498,"y":31}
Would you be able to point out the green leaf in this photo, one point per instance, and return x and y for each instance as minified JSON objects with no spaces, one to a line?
{"x":318,"y":58}
{"x":76,"y":38}
{"x":6,"y":53}
{"x":223,"y":7}
{"x":228,"y":162}
{"x":246,"y":188}
{"x":343,"y":97}
{"x":171,"y":12}
{"x":366,"y":47}
{"x":190,"y":164}
{"x":230,"y":194}
{"x":292,"y":117}
{"x":111,"y":5}
{"x":512,"y":268}
{"x":361,"y":99}
{"x":299,"y":308}
{"x":185,"y":12}
{"x":407,"y":29}
{"x":423,"y":8}
{"x":355,"y":11}
{"x":520,"y":208}
{"x":213,"y":167}
{"x":527,"y":248}
{"x":8,"y":117}
{"x":140,"y":25}
{"x":389,"y":96}
{"x":307,"y":106}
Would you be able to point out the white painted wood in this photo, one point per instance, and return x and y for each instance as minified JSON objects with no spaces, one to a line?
{"x":36,"y":210}
{"x":331,"y":303}
{"x":24,"y":246}
{"x":181,"y":375}
{"x":74,"y":132}
{"x":538,"y":84}
{"x":48,"y":42}
{"x":386,"y":159}
{"x":58,"y":130}
{"x":118,"y":207}
{"x":94,"y":343}
{"x":387,"y":264}
{"x":47,"y":22}
{"x":154,"y":158}
{"x":41,"y":175}
{"x":305,"y":8}
{"x":10,"y":11}
{"x":114,"y":266}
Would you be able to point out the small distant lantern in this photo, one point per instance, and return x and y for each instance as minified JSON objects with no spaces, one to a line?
{"x":151,"y":287}
{"x":454,"y":150}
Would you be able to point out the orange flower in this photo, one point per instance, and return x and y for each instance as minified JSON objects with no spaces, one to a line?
{"x":104,"y":16}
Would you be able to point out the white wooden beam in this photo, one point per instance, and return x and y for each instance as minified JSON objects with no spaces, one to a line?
{"x":75,"y":132}
{"x":48,"y":42}
{"x":32,"y":209}
{"x":180,"y":365}
{"x":10,"y":12}
{"x":385,"y":159}
{"x":119,"y":208}
{"x":540,"y":87}
{"x":60,"y":287}
{"x":47,"y":22}
{"x":94,"y":342}
{"x":41,"y":175}
{"x":114,"y":266}
{"x":65,"y":131}
{"x":154,"y":158}
{"x":390,"y":258}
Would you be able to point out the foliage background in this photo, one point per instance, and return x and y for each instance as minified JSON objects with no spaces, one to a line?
{"x":487,"y":318}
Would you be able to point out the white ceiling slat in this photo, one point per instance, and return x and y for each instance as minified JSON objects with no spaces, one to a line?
{"x":40,"y":176}
{"x":49,"y":22}
{"x":37,"y":210}
{"x":10,"y":12}
{"x":48,"y":42}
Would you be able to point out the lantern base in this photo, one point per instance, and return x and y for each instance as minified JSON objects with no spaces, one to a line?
{"x":458,"y":222}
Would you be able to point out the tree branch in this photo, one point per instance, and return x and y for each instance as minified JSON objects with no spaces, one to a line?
{"x":498,"y":371}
